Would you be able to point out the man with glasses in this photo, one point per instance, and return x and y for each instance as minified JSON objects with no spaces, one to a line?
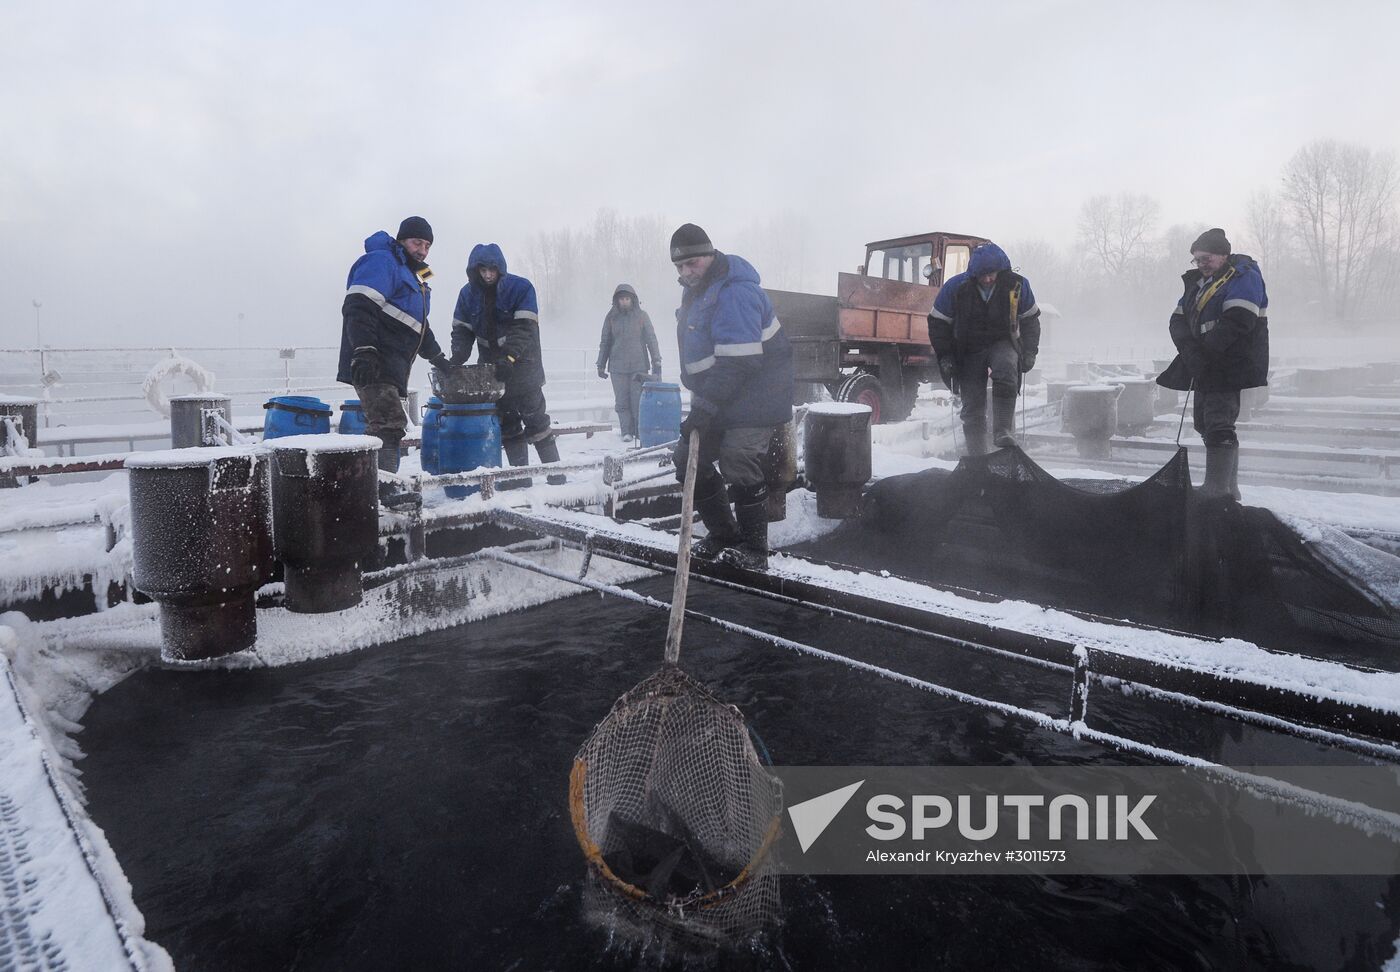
{"x":985,"y":322}
{"x":1221,"y":331}
{"x":737,"y":363}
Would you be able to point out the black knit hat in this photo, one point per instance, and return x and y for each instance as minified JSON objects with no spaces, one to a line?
{"x":690,"y":241}
{"x":415,"y":228}
{"x":1212,"y":241}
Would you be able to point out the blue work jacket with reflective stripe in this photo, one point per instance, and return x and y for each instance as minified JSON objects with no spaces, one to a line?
{"x":511,"y":327}
{"x":1221,"y":335}
{"x":386,"y":307}
{"x":735,"y":358}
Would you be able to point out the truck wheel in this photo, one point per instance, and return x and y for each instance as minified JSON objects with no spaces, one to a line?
{"x":864,"y":389}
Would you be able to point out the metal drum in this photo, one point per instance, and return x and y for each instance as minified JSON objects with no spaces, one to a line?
{"x":1090,"y":414}
{"x":187,"y":418}
{"x":325,"y":517}
{"x":836,"y":450}
{"x":200,"y":544}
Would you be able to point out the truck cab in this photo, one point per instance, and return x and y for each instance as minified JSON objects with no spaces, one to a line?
{"x":869,"y":343}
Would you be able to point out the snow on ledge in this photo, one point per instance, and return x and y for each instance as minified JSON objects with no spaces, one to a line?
{"x":837,"y":408}
{"x":66,"y":902}
{"x":184,"y":458}
{"x":326,"y":442}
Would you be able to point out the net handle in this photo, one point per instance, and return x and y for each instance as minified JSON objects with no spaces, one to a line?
{"x":673,"y":629}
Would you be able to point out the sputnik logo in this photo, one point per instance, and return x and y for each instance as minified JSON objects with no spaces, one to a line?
{"x":811,"y":817}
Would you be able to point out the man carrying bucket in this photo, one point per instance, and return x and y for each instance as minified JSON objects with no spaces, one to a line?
{"x":498,"y":312}
{"x":384,"y":325}
{"x":737,"y":363}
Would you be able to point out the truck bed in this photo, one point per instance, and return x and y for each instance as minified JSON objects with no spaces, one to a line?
{"x":866,"y":310}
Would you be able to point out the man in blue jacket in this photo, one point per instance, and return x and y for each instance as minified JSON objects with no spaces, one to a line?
{"x":497,"y":311}
{"x":1221,"y":331}
{"x":384,"y":323}
{"x":737,"y":363}
{"x":985,"y":320}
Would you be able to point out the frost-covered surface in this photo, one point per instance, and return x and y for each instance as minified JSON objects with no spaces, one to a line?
{"x":1374,"y":571}
{"x":59,"y":560}
{"x":47,"y":503}
{"x":326,"y":442}
{"x":837,"y":408}
{"x":64,"y":901}
{"x":184,"y":458}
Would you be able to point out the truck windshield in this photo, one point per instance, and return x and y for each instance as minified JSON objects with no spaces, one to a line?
{"x":955,"y":259}
{"x":905,"y":263}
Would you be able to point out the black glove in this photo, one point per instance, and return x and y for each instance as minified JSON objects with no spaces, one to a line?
{"x":366,"y":366}
{"x":656,"y":373}
{"x":949,"y":372}
{"x":697,"y":420}
{"x":442,"y":363}
{"x":1027,"y":361}
{"x":1195,"y":360}
{"x":504,"y":368}
{"x":602,"y":372}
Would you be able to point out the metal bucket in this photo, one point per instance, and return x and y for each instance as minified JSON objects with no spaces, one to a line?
{"x":468,"y":385}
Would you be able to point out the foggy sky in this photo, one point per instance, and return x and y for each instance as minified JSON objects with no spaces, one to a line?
{"x":170,"y":166}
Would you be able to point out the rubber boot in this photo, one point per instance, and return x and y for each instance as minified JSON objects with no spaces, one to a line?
{"x":517,"y":454}
{"x":1222,"y":471}
{"x":751,"y":511}
{"x":548,"y":449}
{"x":976,"y":435}
{"x":389,"y":455}
{"x":1003,"y":421}
{"x":719,"y":521}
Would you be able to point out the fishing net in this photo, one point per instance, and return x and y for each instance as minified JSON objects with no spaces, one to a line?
{"x":677,"y":815}
{"x":1154,"y":550}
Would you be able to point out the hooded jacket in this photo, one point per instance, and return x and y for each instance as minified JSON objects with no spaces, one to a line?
{"x":1221,"y":330}
{"x":962,"y":319}
{"x":386,"y":307}
{"x":500,"y":320}
{"x":735,"y":357}
{"x":628,"y":343}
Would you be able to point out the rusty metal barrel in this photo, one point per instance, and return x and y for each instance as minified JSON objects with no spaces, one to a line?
{"x":187,"y":418}
{"x":780,"y":469}
{"x":325,"y":517}
{"x":836,"y":451}
{"x":200,"y":544}
{"x":1090,"y":414}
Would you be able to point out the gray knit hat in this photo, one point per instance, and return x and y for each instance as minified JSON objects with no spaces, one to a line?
{"x":1212,"y":241}
{"x":690,"y":241}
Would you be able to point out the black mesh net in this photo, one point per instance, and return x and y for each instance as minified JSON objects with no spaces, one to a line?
{"x":1155,"y":552}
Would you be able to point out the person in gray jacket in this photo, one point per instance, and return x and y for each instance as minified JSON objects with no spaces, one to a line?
{"x":628,"y":347}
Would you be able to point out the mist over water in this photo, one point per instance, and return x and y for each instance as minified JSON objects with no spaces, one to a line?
{"x":405,"y":806}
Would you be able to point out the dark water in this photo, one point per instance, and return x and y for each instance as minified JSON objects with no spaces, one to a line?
{"x":405,"y":808}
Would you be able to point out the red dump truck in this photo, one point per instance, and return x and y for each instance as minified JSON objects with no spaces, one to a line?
{"x":869,"y":343}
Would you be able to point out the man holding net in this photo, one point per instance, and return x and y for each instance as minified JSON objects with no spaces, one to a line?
{"x":1221,"y":331}
{"x":737,"y":363}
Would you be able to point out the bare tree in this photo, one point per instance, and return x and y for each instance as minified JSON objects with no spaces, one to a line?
{"x":1118,"y":229}
{"x":1342,"y":198}
{"x":1267,"y":229}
